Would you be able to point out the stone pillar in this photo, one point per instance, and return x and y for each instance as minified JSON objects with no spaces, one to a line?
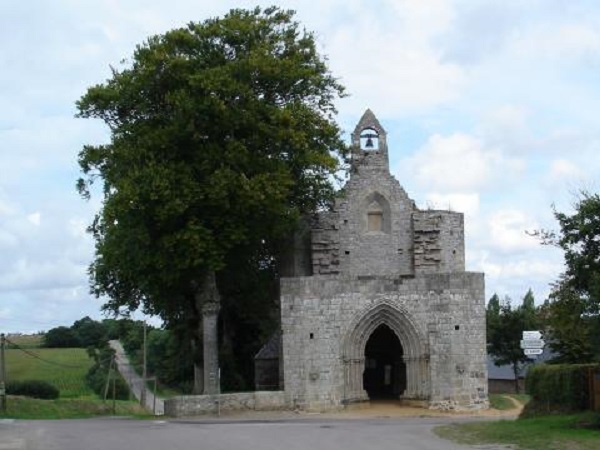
{"x":411,"y":375}
{"x":210,"y":316}
{"x":208,"y":303}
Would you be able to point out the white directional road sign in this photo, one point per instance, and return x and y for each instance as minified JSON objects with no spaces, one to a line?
{"x":533,"y":351}
{"x":532,"y":343}
{"x":532,"y":334}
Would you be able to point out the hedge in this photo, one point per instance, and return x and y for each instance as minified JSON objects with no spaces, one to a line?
{"x":563,"y":387}
{"x":33,"y":388}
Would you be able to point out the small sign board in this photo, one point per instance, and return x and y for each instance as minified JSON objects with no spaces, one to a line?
{"x":532,"y":343}
{"x":533,"y":334}
{"x":533,"y":351}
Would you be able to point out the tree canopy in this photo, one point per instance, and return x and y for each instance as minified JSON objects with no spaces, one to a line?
{"x":572,"y":312}
{"x":505,"y":324}
{"x":579,"y":239}
{"x":222,"y":135}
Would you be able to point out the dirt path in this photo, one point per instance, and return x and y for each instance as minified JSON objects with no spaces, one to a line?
{"x":135,"y":381}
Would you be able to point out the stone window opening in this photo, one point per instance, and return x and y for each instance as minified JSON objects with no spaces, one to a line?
{"x":375,"y":218}
{"x":375,"y":212}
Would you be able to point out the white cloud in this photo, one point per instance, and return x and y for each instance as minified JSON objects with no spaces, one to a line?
{"x":507,"y":231}
{"x":394,"y":46}
{"x":564,"y":169}
{"x":35,"y":218}
{"x":464,"y":203}
{"x":461,"y":163}
{"x":524,"y":268}
{"x":566,"y":42}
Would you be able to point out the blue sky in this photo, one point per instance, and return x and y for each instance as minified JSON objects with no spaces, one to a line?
{"x":491,"y":109}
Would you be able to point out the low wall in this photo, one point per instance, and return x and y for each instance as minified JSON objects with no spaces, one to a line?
{"x":191,"y":405}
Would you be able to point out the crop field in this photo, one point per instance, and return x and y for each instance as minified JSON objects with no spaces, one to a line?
{"x":65,"y":368}
{"x":27,"y":340}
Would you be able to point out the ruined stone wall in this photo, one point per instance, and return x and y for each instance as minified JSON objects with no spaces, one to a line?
{"x":319,"y":312}
{"x":325,"y":244}
{"x":439,"y":241}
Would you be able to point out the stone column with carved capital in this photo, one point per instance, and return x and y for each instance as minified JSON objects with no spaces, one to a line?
{"x":210,"y":316}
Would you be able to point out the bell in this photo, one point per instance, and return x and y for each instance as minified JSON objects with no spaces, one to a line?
{"x":369,"y":143}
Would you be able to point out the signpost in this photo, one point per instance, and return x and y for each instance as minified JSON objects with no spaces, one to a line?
{"x":532,"y":335}
{"x":533,"y":351}
{"x":532,"y":343}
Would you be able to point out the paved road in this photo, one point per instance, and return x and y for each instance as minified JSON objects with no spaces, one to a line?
{"x":134,"y":380}
{"x":305,"y":434}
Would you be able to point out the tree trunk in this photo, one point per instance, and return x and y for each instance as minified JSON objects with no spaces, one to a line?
{"x":516,"y":372}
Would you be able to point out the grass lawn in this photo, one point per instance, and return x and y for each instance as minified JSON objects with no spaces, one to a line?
{"x":503,"y":402}
{"x":539,"y":433}
{"x":30,"y":408}
{"x":65,"y":368}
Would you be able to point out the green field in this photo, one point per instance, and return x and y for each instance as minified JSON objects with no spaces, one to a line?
{"x":571,"y":432}
{"x":31,"y":408}
{"x":65,"y":368}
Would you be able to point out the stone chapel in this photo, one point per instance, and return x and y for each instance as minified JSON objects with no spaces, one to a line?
{"x":375,"y":300}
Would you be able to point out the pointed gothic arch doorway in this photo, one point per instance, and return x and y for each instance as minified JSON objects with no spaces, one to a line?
{"x":414,"y":354}
{"x":384,"y":376}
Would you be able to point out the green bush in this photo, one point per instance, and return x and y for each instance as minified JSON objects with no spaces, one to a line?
{"x":97,"y":376}
{"x":563,"y":387}
{"x":32,"y":388}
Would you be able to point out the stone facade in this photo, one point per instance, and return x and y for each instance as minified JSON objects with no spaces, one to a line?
{"x":377,"y":302}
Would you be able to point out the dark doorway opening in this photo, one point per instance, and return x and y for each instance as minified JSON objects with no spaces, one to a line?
{"x":385,"y":372}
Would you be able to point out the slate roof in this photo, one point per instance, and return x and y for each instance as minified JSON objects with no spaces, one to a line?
{"x":506,"y":373}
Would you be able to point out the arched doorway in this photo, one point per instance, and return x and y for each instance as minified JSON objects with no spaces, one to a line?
{"x":384,"y":376}
{"x":412,"y":373}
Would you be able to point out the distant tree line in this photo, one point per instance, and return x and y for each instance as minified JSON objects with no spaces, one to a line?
{"x":242,"y":331}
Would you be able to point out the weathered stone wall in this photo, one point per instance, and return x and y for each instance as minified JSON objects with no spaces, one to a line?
{"x":439,"y":241}
{"x":342,"y":243}
{"x":445,"y":311}
{"x":386,"y":252}
{"x":192,"y":405}
{"x":325,"y":244}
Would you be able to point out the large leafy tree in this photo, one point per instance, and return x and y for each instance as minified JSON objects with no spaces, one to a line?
{"x":573,"y":308}
{"x":222,"y":135}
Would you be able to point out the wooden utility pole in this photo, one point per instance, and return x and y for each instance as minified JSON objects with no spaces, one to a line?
{"x":2,"y":373}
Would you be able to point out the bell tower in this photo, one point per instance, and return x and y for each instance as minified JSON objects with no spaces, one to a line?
{"x":369,"y":145}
